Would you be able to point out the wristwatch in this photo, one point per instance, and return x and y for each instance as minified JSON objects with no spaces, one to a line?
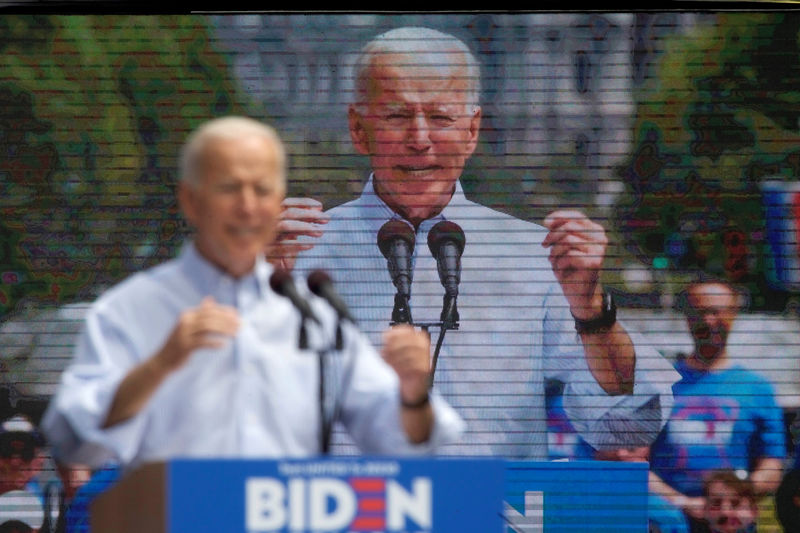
{"x":601,"y":324}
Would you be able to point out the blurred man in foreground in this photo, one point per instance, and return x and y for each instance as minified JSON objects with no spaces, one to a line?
{"x":200,"y":357}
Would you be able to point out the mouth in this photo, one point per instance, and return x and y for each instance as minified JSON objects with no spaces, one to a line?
{"x":245,"y":232}
{"x":419,"y":171}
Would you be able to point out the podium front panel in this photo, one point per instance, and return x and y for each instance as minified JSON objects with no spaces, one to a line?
{"x":336,"y":495}
{"x":576,"y":497}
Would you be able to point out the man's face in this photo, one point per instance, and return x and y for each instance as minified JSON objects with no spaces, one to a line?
{"x":235,"y":203}
{"x":710,"y":314}
{"x":728,"y":512}
{"x":418,"y":130}
{"x":20,"y":461}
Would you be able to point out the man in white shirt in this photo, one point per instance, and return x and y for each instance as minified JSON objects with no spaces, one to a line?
{"x":200,"y":357}
{"x":524,"y":289}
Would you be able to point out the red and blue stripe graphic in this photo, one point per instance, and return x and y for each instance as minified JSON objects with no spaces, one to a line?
{"x":371,"y":497}
{"x":782,"y":224}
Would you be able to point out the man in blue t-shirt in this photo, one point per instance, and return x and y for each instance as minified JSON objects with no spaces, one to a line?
{"x":724,"y":417}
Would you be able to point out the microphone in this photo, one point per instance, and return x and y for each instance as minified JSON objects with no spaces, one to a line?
{"x":446,"y":242}
{"x":283,"y":284}
{"x":320,"y":283}
{"x":396,"y":241}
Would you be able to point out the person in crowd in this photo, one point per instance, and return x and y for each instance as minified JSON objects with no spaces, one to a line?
{"x":730,"y":504}
{"x":725,"y":416}
{"x":662,"y":515}
{"x":787,"y":501}
{"x":521,"y":304}
{"x":22,"y":483}
{"x":201,"y":356}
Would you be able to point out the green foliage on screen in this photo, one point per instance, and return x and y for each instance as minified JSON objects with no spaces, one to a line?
{"x":93,"y":110}
{"x":720,"y":116}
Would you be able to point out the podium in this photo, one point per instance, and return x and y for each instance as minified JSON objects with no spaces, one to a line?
{"x":314,"y":495}
{"x":391,"y":495}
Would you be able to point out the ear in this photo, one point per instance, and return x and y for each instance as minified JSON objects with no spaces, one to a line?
{"x":474,"y":130}
{"x":358,"y":132}
{"x":187,"y":201}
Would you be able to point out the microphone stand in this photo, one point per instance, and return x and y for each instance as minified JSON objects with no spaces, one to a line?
{"x":401,"y":313}
{"x":321,"y":354}
{"x":449,"y":321}
{"x":344,"y":386}
{"x":325,"y":423}
{"x":302,"y":342}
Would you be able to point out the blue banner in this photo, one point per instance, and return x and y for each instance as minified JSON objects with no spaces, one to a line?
{"x":336,"y":495}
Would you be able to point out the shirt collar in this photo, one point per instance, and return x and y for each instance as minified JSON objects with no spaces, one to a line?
{"x":208,"y":278}
{"x":450,"y":212}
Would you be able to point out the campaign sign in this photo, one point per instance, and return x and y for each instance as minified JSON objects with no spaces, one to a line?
{"x":336,"y":495}
{"x":576,"y":497}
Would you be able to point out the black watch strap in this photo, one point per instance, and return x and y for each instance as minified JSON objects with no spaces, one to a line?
{"x":601,"y":324}
{"x":419,"y":404}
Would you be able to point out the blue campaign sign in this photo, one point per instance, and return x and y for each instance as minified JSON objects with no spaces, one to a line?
{"x":336,"y":495}
{"x":575,"y":497}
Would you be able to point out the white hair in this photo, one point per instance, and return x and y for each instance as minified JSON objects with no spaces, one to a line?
{"x":431,"y":47}
{"x":227,"y":128}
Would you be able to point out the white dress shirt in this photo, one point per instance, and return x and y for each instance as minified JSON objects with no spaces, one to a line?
{"x":515,"y":330}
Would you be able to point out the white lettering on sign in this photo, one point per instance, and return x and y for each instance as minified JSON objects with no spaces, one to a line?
{"x":332,"y":504}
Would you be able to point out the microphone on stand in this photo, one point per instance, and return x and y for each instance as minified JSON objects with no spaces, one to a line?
{"x":282,"y":283}
{"x":396,"y":240}
{"x":446,"y":241}
{"x":320,"y":283}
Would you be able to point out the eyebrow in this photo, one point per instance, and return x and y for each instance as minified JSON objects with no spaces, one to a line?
{"x":450,"y":108}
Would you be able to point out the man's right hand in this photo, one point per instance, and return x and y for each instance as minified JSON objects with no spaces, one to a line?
{"x":208,"y":325}
{"x":300,"y":217}
{"x":205,"y":326}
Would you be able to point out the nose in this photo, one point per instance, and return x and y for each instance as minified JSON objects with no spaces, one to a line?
{"x":247,"y":199}
{"x":712,"y":319}
{"x":418,"y":134}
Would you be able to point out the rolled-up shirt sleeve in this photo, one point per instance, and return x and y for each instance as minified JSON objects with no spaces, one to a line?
{"x":73,"y":422}
{"x":607,"y":421}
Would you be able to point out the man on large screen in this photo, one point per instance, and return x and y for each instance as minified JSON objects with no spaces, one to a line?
{"x":519,"y":302}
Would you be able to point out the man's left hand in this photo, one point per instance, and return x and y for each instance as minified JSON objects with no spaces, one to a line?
{"x":300,"y":217}
{"x":577,"y":250}
{"x":407,"y":350}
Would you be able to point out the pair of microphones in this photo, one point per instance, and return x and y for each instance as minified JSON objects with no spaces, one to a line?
{"x":446,"y":240}
{"x":320,"y":284}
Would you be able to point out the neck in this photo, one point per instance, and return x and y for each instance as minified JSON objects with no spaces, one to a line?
{"x":405,"y":205}
{"x":716,"y":361}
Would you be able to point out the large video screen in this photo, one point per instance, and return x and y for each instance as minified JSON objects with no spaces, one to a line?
{"x":677,"y":132}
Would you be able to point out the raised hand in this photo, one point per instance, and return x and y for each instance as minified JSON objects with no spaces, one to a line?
{"x":577,"y":250}
{"x":407,"y":351}
{"x":208,"y":325}
{"x":300,"y":217}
